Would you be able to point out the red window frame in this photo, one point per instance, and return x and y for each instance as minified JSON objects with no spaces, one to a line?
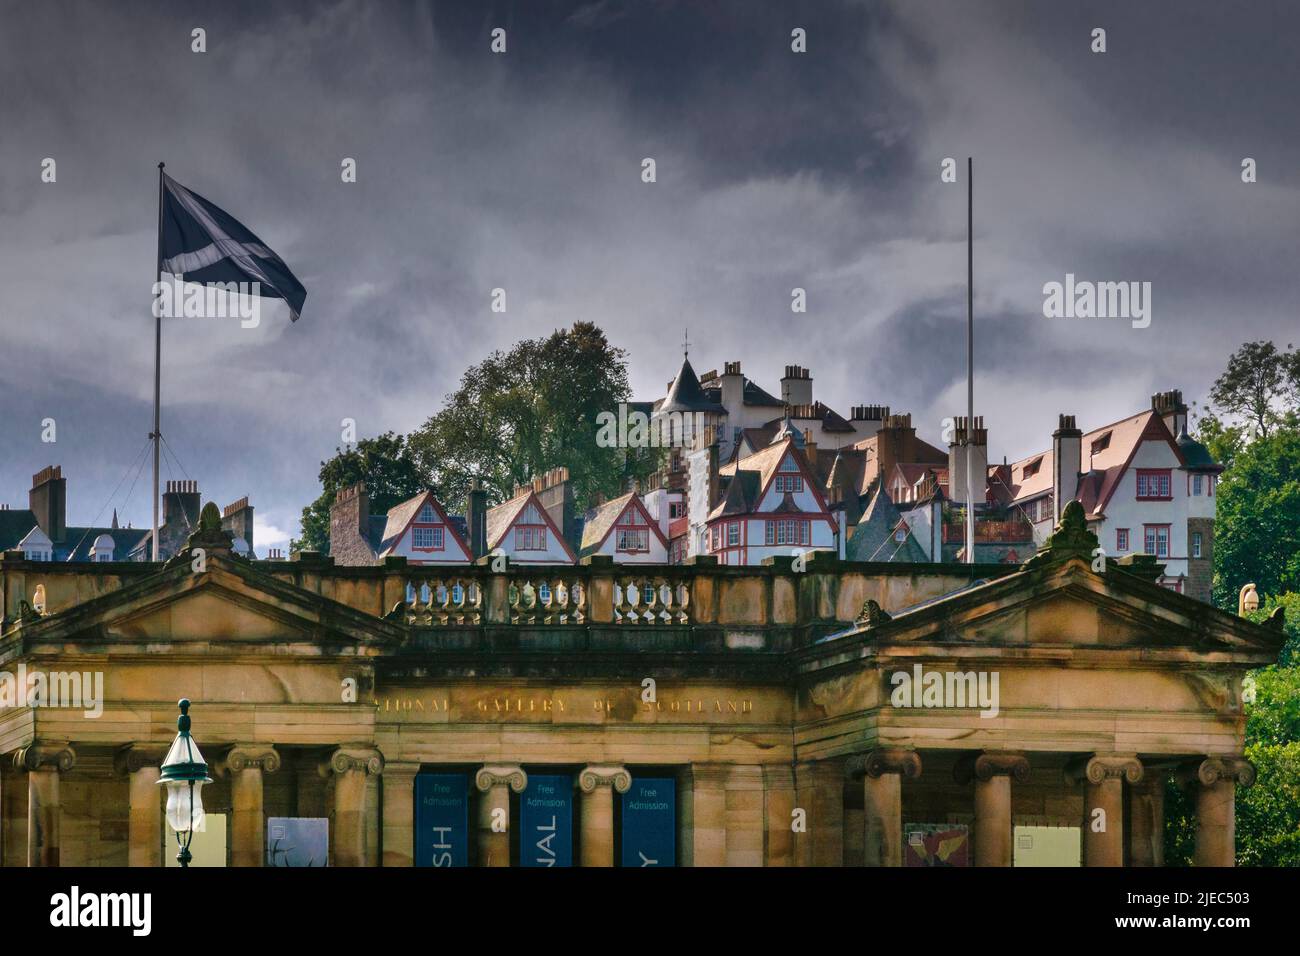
{"x":534,"y":538}
{"x":1121,"y":539}
{"x":642,"y":533}
{"x":1153,"y":531}
{"x":1163,"y":481}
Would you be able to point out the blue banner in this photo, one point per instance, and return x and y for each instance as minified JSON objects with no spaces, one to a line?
{"x":441,"y":819}
{"x":650,"y":822}
{"x":546,"y":824}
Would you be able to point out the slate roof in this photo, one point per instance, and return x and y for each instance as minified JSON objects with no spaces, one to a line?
{"x":15,"y":523}
{"x":686,"y":394}
{"x":1195,"y":455}
{"x":79,"y":541}
{"x":750,"y":393}
{"x":873,"y":538}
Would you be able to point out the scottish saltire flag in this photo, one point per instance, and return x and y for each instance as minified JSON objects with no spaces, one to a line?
{"x":205,"y":244}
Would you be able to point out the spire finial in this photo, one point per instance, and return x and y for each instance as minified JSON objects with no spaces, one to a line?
{"x":686,"y":343}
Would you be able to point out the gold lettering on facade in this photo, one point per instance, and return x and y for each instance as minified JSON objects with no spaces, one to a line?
{"x":555,"y":705}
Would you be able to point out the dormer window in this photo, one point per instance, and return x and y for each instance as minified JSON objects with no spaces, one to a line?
{"x":1101,"y":443}
{"x":1031,"y":468}
{"x":102,"y":549}
{"x":36,"y":546}
{"x":427,"y":515}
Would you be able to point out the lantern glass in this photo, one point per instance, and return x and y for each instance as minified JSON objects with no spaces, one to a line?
{"x":181,"y":816}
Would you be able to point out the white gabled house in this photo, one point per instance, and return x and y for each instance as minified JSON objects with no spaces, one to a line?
{"x":419,"y":530}
{"x":524,"y":532}
{"x":772,"y":505}
{"x":625,"y":530}
{"x":1146,"y":487}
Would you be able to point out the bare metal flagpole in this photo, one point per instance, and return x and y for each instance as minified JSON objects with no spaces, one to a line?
{"x":156,"y":434}
{"x":970,"y":360}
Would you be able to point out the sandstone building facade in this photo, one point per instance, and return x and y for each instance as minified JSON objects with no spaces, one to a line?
{"x":739,"y":715}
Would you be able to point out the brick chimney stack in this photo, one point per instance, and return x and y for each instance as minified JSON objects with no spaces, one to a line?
{"x":181,"y":504}
{"x":48,"y":501}
{"x":555,"y":492}
{"x":1169,"y":406}
{"x":237,"y":518}
{"x":350,"y":526}
{"x":796,"y":386}
{"x":895,"y":442}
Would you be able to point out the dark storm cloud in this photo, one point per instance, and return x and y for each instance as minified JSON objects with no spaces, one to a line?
{"x":522,"y":171}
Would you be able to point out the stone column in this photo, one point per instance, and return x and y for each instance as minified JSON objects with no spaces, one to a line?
{"x":45,"y":762}
{"x":778,"y":807}
{"x":246,"y":763}
{"x":495,"y":781}
{"x":350,"y":767}
{"x":704,"y":816}
{"x":1215,"y":780}
{"x":992,"y":773}
{"x":140,"y":764}
{"x":1103,"y":776}
{"x":1146,"y":838}
{"x":882,"y":772}
{"x":820,"y":794}
{"x":397,"y":808}
{"x":596,"y":818}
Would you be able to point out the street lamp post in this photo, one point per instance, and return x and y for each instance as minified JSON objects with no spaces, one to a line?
{"x":184,"y":773}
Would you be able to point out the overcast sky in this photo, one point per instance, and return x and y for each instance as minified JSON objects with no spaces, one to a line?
{"x":523,"y":171}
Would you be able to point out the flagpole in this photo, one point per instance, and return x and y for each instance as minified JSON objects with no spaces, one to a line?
{"x":970,"y":360}
{"x":156,"y":435}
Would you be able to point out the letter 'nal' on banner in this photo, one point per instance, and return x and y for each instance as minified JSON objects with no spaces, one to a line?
{"x":650,"y":822}
{"x":546,"y":825}
{"x":441,"y":819}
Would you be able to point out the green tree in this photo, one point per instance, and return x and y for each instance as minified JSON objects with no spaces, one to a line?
{"x":385,"y":463}
{"x":520,"y":413}
{"x":1267,"y":814}
{"x":1257,"y":520}
{"x":1258,"y":382}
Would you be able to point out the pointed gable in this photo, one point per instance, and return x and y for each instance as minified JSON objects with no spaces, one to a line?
{"x":523,"y":509}
{"x":402,"y":518}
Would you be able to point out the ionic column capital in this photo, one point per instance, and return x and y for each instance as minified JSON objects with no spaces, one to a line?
{"x":985,"y":766}
{"x":132,"y":758}
{"x":877,"y":763}
{"x":1102,"y":767}
{"x":501,"y":775}
{"x":343,"y":760}
{"x":251,"y":757}
{"x":46,"y":755}
{"x":1212,"y":770}
{"x":593,"y":776}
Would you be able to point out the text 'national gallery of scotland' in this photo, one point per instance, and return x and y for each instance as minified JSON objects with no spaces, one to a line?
{"x":804,"y":713}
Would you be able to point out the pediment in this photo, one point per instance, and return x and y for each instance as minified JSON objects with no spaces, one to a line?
{"x":1071,"y":607}
{"x":230,"y":603}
